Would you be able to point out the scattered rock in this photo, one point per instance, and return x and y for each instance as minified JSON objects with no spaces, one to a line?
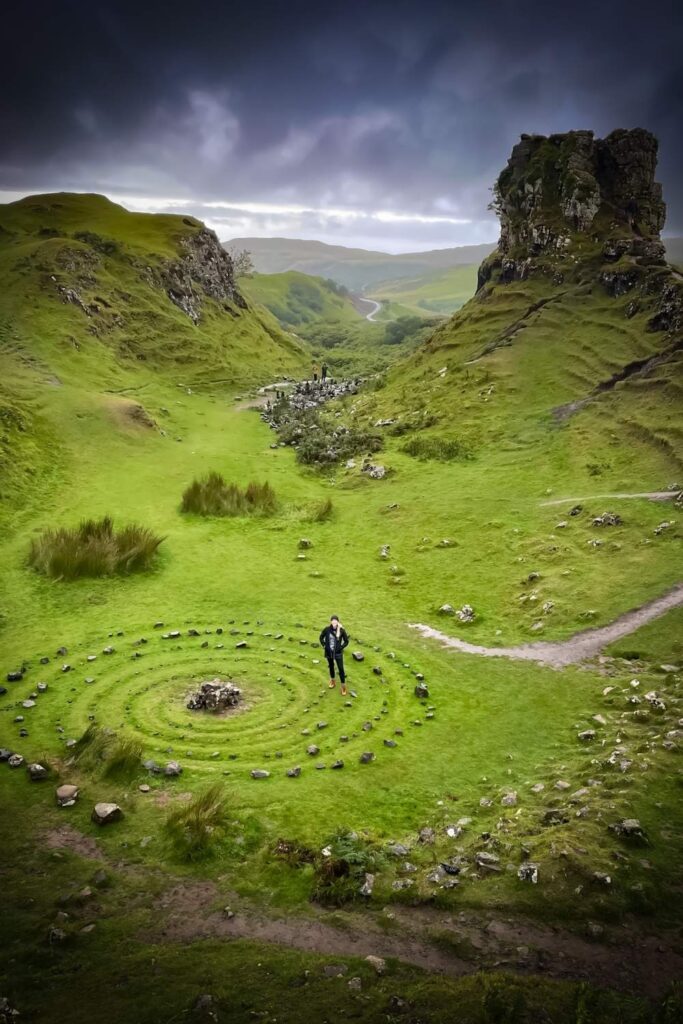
{"x":528,"y":872}
{"x":15,"y":760}
{"x":377,"y":963}
{"x":105,"y":813}
{"x":366,"y":757}
{"x":173,"y":769}
{"x":368,"y":885}
{"x":260,"y":773}
{"x":294,"y":773}
{"x":37,"y":772}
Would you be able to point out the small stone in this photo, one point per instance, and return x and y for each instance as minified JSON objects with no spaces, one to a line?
{"x":377,"y":963}
{"x":37,"y":772}
{"x":528,"y":872}
{"x":337,"y":764}
{"x":586,"y":735}
{"x":335,"y":970}
{"x":509,"y":799}
{"x":294,"y":773}
{"x":15,"y":760}
{"x":368,"y":885}
{"x":358,"y":656}
{"x":106,"y":813}
{"x":312,"y":750}
{"x":355,"y":984}
{"x":366,"y":757}
{"x":145,"y":787}
{"x":173,"y":769}
{"x":390,"y":743}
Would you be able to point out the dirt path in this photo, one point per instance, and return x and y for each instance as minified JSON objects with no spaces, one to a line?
{"x":454,"y":944}
{"x":579,"y":647}
{"x":650,"y":495}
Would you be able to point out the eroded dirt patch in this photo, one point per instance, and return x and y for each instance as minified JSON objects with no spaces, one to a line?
{"x":66,"y":837}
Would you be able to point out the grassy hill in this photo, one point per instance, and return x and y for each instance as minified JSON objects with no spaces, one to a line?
{"x":98,"y":302}
{"x":295,"y":298}
{"x":439,"y":292}
{"x":357,"y":269}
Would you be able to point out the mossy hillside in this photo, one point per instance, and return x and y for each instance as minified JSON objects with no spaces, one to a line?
{"x":109,"y":255}
{"x":295,"y":298}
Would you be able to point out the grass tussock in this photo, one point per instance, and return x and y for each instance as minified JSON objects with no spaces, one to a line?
{"x":322,"y":511}
{"x":195,"y":829}
{"x":441,"y":449}
{"x":107,"y":753}
{"x":94,"y":548}
{"x":213,"y":496}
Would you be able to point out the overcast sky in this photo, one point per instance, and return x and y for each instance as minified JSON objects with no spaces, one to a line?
{"x":380,"y":124}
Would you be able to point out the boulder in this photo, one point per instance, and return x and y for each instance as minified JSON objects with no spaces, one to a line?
{"x":67,"y":795}
{"x":294,"y":773}
{"x":173,"y":769}
{"x":422,"y":690}
{"x":305,"y":544}
{"x":260,"y":773}
{"x":106,"y":813}
{"x":366,"y":757}
{"x":629,"y":828}
{"x":466,"y":613}
{"x":312,"y":750}
{"x":15,"y":676}
{"x":15,"y":760}
{"x":37,"y":772}
{"x":358,"y":656}
{"x":337,"y":765}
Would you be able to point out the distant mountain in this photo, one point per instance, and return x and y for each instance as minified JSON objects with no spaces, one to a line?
{"x":357,"y":269}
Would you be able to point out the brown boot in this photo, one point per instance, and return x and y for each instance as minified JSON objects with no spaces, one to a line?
{"x":332,"y":684}
{"x":343,"y":689}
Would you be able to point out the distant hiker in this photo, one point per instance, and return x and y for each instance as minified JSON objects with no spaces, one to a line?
{"x":323,"y":371}
{"x":334,"y":639}
{"x":315,"y":372}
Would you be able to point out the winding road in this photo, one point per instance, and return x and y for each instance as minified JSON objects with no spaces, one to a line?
{"x":579,"y":647}
{"x":374,"y":311}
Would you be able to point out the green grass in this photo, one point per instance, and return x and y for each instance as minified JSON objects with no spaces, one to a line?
{"x":439,"y":291}
{"x":81,"y":450}
{"x":297,"y":299}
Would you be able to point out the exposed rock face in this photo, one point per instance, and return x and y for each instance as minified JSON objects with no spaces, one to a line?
{"x":204,"y":269}
{"x":559,"y":186}
{"x":568,"y":201}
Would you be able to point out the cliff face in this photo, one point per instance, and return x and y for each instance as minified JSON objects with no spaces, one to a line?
{"x":569,"y":204}
{"x":205,"y":268}
{"x":554,"y":189}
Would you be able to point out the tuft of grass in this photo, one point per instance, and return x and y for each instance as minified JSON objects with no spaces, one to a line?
{"x":94,"y":548}
{"x":322,"y":511}
{"x":195,"y":829}
{"x":101,"y":750}
{"x":213,"y":496}
{"x":441,"y":449}
{"x":123,"y":758}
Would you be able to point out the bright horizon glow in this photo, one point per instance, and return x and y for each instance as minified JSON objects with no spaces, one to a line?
{"x":296,"y":221}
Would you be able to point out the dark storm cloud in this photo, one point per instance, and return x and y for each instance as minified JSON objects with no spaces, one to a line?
{"x":309,"y":119}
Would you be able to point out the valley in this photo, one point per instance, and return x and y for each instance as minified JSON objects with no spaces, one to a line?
{"x":498,"y":833}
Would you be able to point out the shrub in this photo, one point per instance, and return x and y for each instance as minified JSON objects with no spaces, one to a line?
{"x":338,"y":877}
{"x":94,"y":548}
{"x":212,"y":496}
{"x":195,"y":828}
{"x":440,"y":448}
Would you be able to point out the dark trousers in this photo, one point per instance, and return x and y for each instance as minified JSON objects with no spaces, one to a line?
{"x":339,"y":658}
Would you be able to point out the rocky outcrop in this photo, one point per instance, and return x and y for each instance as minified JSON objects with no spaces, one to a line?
{"x":559,"y":187}
{"x":576,"y":208}
{"x":204,"y":269}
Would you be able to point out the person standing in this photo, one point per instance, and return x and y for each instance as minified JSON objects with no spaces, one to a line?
{"x":333,"y":639}
{"x":315,"y":373}
{"x":323,"y":372}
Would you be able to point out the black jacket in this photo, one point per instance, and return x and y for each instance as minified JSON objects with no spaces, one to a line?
{"x":333,"y":645}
